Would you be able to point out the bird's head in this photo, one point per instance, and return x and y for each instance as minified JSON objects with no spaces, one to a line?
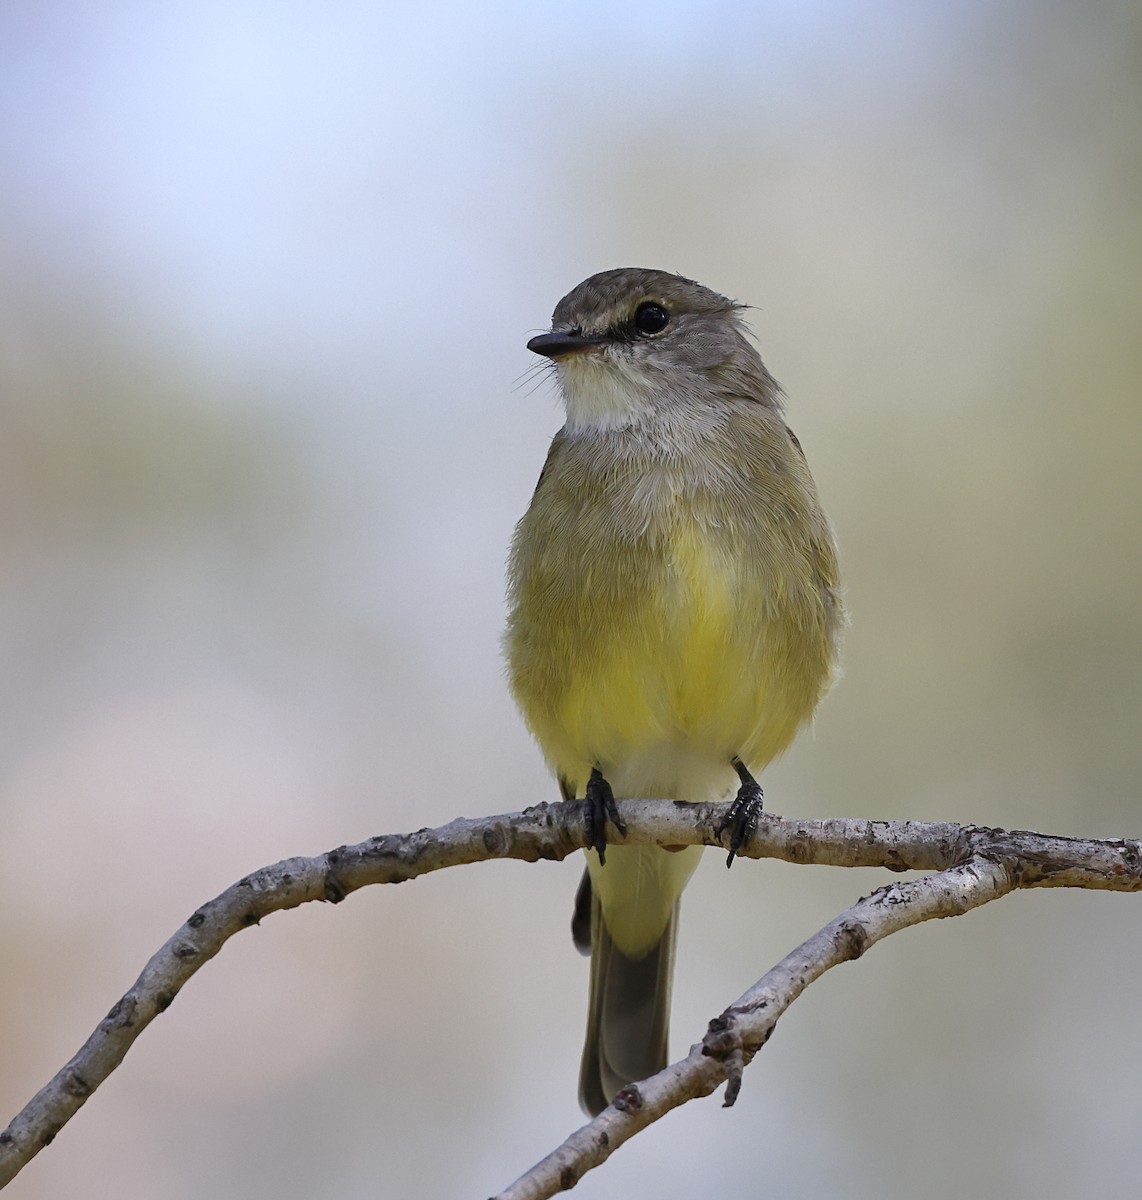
{"x":631,"y":341}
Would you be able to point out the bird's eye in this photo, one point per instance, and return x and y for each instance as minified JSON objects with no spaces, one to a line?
{"x":651,"y":318}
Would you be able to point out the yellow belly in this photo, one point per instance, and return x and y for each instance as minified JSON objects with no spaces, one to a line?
{"x":712,"y":661}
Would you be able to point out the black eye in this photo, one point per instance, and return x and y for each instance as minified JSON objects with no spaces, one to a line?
{"x":651,"y":318}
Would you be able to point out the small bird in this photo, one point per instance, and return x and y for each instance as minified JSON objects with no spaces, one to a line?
{"x":674,"y":614}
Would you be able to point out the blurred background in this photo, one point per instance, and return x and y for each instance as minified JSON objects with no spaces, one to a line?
{"x":266,"y":276}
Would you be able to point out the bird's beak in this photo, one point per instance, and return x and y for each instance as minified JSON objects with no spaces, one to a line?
{"x":557,"y":344}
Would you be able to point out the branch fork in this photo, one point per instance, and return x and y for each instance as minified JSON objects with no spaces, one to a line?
{"x":970,"y":865}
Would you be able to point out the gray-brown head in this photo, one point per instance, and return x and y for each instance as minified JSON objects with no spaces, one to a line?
{"x":631,"y":340}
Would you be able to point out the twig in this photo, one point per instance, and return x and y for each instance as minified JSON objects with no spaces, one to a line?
{"x":551,"y":832}
{"x":740,"y":1032}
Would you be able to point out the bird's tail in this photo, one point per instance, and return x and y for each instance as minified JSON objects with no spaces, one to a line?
{"x":628,"y":1017}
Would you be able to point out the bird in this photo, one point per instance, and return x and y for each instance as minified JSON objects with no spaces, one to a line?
{"x":674,"y":615}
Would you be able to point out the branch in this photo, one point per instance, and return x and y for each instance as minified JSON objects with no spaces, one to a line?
{"x":553,"y":832}
{"x":740,"y":1032}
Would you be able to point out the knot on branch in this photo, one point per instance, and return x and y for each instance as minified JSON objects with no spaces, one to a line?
{"x":628,"y":1099}
{"x":122,"y":1014}
{"x":496,"y":839}
{"x":723,"y":1042}
{"x":851,"y":939}
{"x":552,"y":830}
{"x":75,"y":1085}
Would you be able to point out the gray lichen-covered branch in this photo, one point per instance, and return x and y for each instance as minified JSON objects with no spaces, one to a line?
{"x":973,"y":865}
{"x":740,"y":1032}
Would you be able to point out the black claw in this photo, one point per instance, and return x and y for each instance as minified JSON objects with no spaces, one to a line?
{"x":600,"y":807}
{"x":742,"y":816}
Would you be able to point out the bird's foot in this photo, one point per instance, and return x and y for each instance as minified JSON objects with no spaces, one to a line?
{"x":742,"y":815}
{"x":600,"y":807}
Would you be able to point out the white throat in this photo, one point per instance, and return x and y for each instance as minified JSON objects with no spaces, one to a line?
{"x":603,"y":394}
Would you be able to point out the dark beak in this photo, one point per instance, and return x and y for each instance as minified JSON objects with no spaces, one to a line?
{"x":555,"y":345}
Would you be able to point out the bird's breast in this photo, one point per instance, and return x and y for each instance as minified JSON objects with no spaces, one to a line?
{"x":663,"y":615}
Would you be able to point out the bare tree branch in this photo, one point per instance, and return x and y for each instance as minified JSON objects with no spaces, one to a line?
{"x":739,"y":1033}
{"x":963,"y":853}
